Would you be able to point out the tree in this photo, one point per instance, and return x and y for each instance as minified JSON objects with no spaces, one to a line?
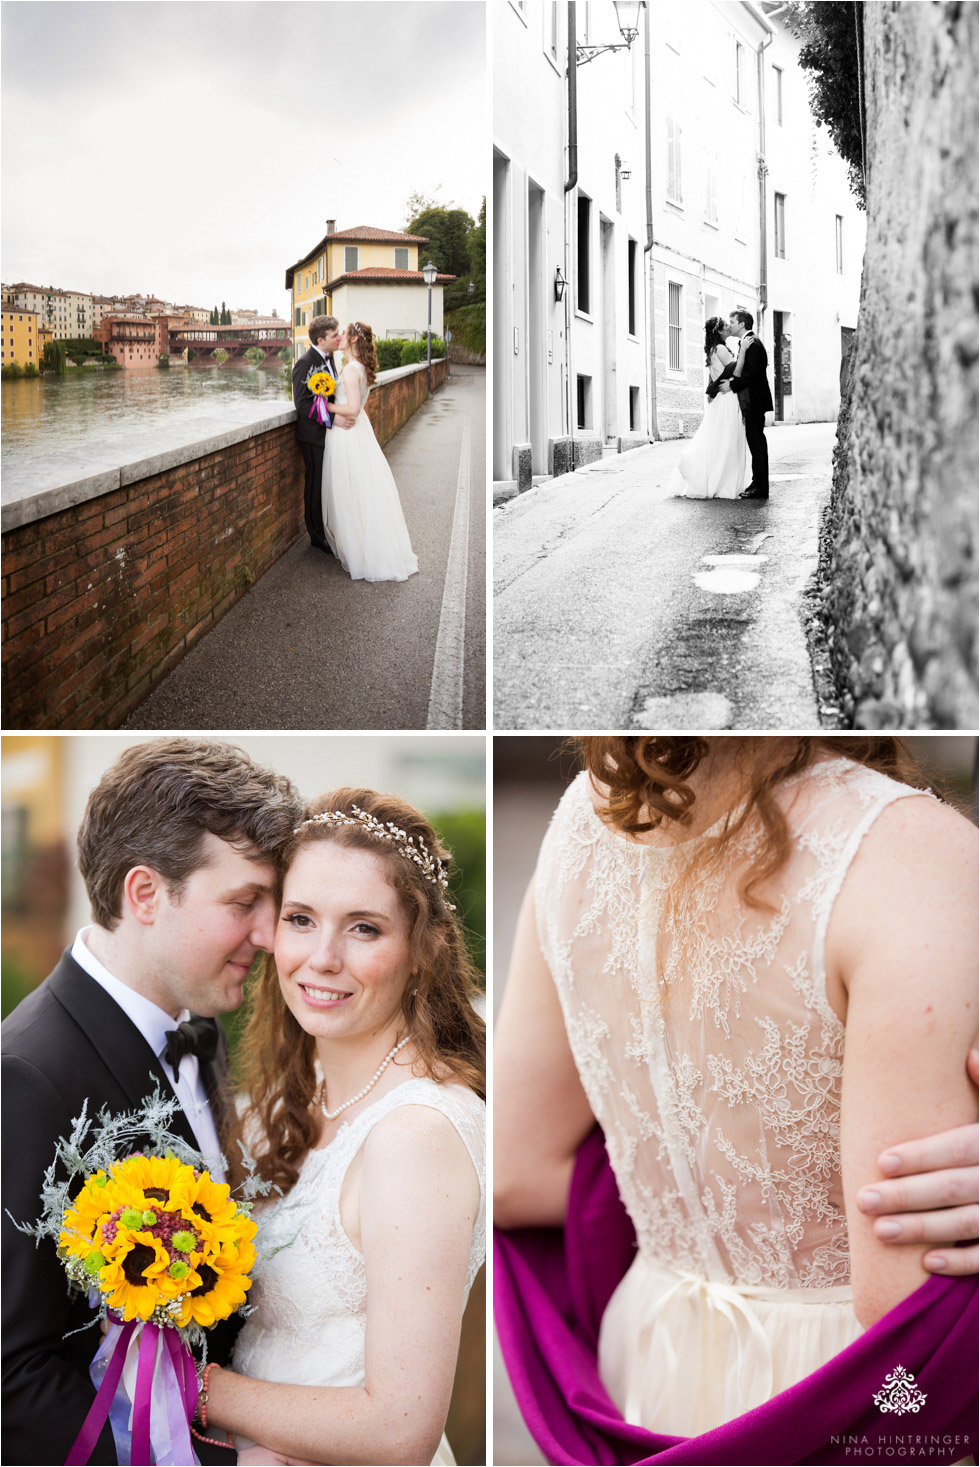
{"x":476,"y":249}
{"x":213,"y":318}
{"x":447,"y":231}
{"x":833,"y":54}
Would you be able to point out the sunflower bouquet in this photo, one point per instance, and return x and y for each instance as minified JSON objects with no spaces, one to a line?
{"x":163,"y":1252}
{"x":322,"y":386}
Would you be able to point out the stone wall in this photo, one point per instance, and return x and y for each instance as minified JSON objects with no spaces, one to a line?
{"x":110,"y":581}
{"x":899,"y":557}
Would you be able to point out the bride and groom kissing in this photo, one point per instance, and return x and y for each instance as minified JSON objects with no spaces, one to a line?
{"x":360,"y":1098}
{"x":728,"y":457}
{"x":351,"y":500}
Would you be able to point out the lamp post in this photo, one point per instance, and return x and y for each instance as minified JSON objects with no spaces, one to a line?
{"x":429,"y":273}
{"x":628,"y":20}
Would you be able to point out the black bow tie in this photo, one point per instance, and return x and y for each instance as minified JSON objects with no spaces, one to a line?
{"x":193,"y":1036}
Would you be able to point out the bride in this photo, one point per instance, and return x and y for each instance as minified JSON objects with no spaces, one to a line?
{"x":364,"y":1072}
{"x":708,"y":919}
{"x":362,"y":514}
{"x":716,"y":463}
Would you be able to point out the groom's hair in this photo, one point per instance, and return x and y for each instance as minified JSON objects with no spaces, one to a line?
{"x":159,"y":800}
{"x":744,"y":316}
{"x":322,"y":326}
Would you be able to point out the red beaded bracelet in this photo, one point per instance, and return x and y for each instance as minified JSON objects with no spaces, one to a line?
{"x":202,"y":1410}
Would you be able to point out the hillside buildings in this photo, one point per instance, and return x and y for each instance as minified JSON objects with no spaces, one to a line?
{"x":672,"y":172}
{"x":364,"y":274}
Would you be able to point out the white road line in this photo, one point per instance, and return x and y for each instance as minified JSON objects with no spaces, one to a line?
{"x":446,"y":690}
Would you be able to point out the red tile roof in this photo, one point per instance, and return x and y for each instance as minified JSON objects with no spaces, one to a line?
{"x":368,"y":233}
{"x":390,"y":277}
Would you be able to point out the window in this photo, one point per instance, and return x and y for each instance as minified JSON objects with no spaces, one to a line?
{"x":583,"y":399}
{"x":401,"y":259}
{"x":839,"y":230}
{"x":780,"y":223}
{"x":710,"y":189}
{"x":739,"y":91}
{"x":675,"y":357}
{"x":634,"y":409}
{"x":306,"y":282}
{"x":631,"y":286}
{"x":675,"y":188}
{"x":350,"y":258}
{"x":583,"y":262}
{"x":777,"y":74}
{"x":551,"y":29}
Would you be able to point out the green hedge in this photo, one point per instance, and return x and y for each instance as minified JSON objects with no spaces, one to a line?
{"x":469,"y":326}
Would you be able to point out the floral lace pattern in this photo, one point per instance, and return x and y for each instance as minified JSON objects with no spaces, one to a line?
{"x":713,"y":1063}
{"x":309,"y":1320}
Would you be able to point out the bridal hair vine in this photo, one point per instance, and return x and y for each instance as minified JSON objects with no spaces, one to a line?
{"x":406,"y":845}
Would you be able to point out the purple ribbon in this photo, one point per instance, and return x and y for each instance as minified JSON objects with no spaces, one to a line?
{"x":319,"y":409}
{"x":98,"y":1413}
{"x":174,"y":1385}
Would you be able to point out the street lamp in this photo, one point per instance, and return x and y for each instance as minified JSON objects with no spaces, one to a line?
{"x":628,"y":20}
{"x":560,"y":283}
{"x":429,"y":273}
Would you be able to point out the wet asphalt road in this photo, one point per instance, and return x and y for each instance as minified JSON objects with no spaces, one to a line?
{"x":616,"y":607}
{"x":307,"y":648}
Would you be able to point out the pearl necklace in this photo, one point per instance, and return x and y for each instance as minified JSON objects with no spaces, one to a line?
{"x":332,"y":1115}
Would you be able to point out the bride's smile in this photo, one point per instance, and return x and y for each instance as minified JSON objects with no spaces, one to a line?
{"x":342,"y":949}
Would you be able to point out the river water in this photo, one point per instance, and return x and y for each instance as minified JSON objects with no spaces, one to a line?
{"x":58,"y":429}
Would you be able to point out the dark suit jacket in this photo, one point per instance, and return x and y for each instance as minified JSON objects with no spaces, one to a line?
{"x":309,"y":430}
{"x":752,"y":383}
{"x":67,"y":1043}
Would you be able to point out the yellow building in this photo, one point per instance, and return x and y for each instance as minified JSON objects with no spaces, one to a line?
{"x":19,"y":339}
{"x":367,"y":274}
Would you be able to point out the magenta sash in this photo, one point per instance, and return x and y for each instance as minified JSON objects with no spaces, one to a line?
{"x":551,"y":1287}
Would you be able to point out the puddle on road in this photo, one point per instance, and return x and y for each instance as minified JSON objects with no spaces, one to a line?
{"x":729,"y":574}
{"x":726,"y":582}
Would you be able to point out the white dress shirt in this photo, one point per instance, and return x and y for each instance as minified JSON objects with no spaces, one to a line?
{"x":154,"y":1024}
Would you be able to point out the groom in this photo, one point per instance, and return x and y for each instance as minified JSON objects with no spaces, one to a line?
{"x":311,"y":434}
{"x":754,"y":398}
{"x":178,"y":849}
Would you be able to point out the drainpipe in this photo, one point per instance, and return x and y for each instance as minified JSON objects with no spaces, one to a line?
{"x":647,"y":284}
{"x":570,"y":184}
{"x":763,"y":173}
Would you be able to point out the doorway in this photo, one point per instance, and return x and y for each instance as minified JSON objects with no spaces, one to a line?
{"x":782,"y":361}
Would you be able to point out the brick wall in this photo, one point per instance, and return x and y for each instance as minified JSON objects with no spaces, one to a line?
{"x":899,"y":552}
{"x":103,"y":597}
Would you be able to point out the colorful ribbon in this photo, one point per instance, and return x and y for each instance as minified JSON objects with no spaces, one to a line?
{"x":151,"y":1414}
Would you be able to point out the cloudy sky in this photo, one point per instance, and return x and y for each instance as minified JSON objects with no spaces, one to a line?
{"x":195,"y":150}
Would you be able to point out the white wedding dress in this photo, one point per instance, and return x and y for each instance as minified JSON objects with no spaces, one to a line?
{"x":309,"y":1321}
{"x":362,"y":513}
{"x":717,"y":1082}
{"x":716,"y":464}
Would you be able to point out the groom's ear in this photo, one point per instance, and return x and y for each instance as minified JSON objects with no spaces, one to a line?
{"x":142,"y":890}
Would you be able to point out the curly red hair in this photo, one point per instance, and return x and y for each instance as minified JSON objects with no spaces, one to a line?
{"x":646,"y":784}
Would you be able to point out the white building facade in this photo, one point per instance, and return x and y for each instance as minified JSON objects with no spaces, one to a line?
{"x":677,"y":179}
{"x":570,"y":353}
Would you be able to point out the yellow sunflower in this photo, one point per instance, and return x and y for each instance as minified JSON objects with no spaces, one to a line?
{"x":137,"y":1277}
{"x":321,"y":384}
{"x":155,"y":1176}
{"x":96,"y":1201}
{"x":217,"y":1289}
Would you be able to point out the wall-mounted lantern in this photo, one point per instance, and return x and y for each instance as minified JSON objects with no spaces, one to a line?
{"x":560,"y":283}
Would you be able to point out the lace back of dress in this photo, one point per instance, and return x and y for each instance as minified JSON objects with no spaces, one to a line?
{"x":712,"y":1059}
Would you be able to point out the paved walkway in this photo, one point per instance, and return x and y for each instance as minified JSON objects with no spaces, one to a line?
{"x":618,"y":607}
{"x":309,"y":648}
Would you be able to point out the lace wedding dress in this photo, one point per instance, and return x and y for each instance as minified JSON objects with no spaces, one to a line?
{"x":716,"y":1078}
{"x":362,"y":514}
{"x":716,"y":464}
{"x":309,"y":1320}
